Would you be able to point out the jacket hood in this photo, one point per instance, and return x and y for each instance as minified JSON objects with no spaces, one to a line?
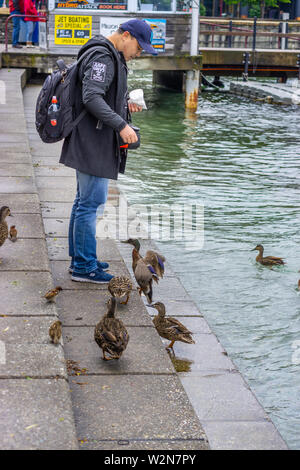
{"x":96,"y":41}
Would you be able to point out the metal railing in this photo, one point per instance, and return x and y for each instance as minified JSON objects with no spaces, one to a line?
{"x":42,"y":17}
{"x":234,"y":31}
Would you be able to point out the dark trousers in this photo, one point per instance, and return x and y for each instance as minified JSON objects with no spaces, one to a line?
{"x":16,"y":26}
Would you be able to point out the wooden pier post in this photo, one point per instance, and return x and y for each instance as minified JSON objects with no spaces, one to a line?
{"x":192,"y":76}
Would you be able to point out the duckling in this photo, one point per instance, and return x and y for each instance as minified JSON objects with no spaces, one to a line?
{"x":110,"y":333}
{"x":267,"y":260}
{"x":4,"y":212}
{"x":170,"y":328}
{"x":120,"y":286}
{"x":55,"y":332}
{"x":151,"y":258}
{"x":13,"y":233}
{"x":52,"y":293}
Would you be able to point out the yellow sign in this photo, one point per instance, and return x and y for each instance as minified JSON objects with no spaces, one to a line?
{"x":74,"y":30}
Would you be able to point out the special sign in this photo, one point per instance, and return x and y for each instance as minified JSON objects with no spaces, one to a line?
{"x":71,"y":29}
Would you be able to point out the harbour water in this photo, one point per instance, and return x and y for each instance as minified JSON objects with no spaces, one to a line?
{"x":239,"y":159}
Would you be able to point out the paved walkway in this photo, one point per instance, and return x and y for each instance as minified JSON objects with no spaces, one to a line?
{"x":139,"y":402}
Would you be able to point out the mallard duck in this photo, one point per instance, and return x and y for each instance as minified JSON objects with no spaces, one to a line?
{"x":144,"y":275}
{"x":169,"y":327}
{"x":52,"y":293}
{"x":110,"y":333}
{"x":4,"y":212}
{"x":13,"y":233}
{"x":120,"y":286}
{"x":55,"y":332}
{"x":267,"y":260}
{"x":151,"y":258}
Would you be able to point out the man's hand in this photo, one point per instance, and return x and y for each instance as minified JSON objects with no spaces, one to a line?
{"x":134,"y":108}
{"x":128,"y":135}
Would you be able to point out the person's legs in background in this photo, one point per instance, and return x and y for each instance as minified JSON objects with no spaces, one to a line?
{"x":16,"y":29}
{"x":29,"y":33}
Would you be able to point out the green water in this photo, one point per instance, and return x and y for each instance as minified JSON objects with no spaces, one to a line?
{"x":240,"y":159}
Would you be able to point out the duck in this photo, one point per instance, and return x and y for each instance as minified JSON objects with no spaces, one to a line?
{"x":119,"y":286}
{"x":52,"y":293}
{"x":267,"y":260}
{"x":4,"y":212}
{"x":55,"y":332}
{"x":144,"y":278}
{"x":110,"y":333}
{"x":13,"y":233}
{"x":151,"y":258}
{"x":169,"y":327}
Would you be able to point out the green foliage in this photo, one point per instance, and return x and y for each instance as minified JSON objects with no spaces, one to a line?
{"x":255,"y":6}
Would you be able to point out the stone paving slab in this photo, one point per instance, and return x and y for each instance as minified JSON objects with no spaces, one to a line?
{"x":58,"y":250}
{"x":60,"y":182}
{"x":62,"y":276}
{"x":25,"y":255}
{"x":56,"y":210}
{"x":158,"y":444}
{"x":222,"y":397}
{"x":19,"y":184}
{"x":133,"y":407}
{"x":22,"y":293}
{"x":36,"y":414}
{"x":15,"y":169}
{"x":34,"y":330}
{"x":143,"y":355}
{"x":56,"y":227}
{"x":15,"y":139}
{"x":243,"y":436}
{"x":43,"y":161}
{"x":56,"y":195}
{"x":74,"y":309}
{"x":27,"y":225}
{"x":205,"y":354}
{"x":16,"y":147}
{"x":21,"y":203}
{"x":54,"y":170}
{"x":33,"y":360}
{"x":11,"y":157}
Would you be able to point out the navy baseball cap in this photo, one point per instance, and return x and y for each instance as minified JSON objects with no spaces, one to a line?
{"x":142,"y":33}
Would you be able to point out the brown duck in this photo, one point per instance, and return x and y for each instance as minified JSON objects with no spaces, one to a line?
{"x":119,"y":286}
{"x":169,"y":327}
{"x":110,"y":333}
{"x":4,"y":212}
{"x":152,"y":259}
{"x":267,"y":260}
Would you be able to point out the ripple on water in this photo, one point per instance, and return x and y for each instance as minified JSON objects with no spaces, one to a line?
{"x":240,"y":159}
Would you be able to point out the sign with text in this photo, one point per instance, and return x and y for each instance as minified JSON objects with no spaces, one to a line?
{"x":72,"y":30}
{"x":158,"y":27}
{"x":90,"y":5}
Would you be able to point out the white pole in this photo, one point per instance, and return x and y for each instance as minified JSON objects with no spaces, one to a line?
{"x":192,"y":76}
{"x":195,"y":28}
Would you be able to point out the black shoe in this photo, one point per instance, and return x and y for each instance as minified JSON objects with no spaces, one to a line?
{"x":18,"y":46}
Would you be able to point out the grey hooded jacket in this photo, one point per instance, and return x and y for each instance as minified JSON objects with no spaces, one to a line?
{"x":93,"y":146}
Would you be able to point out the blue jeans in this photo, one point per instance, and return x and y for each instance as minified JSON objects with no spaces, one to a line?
{"x":29,"y":30}
{"x":90,"y":198}
{"x":16,"y":26}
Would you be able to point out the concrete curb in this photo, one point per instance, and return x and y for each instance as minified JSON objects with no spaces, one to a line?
{"x":35,"y":405}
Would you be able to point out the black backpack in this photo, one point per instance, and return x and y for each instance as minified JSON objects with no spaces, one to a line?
{"x":61,"y":84}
